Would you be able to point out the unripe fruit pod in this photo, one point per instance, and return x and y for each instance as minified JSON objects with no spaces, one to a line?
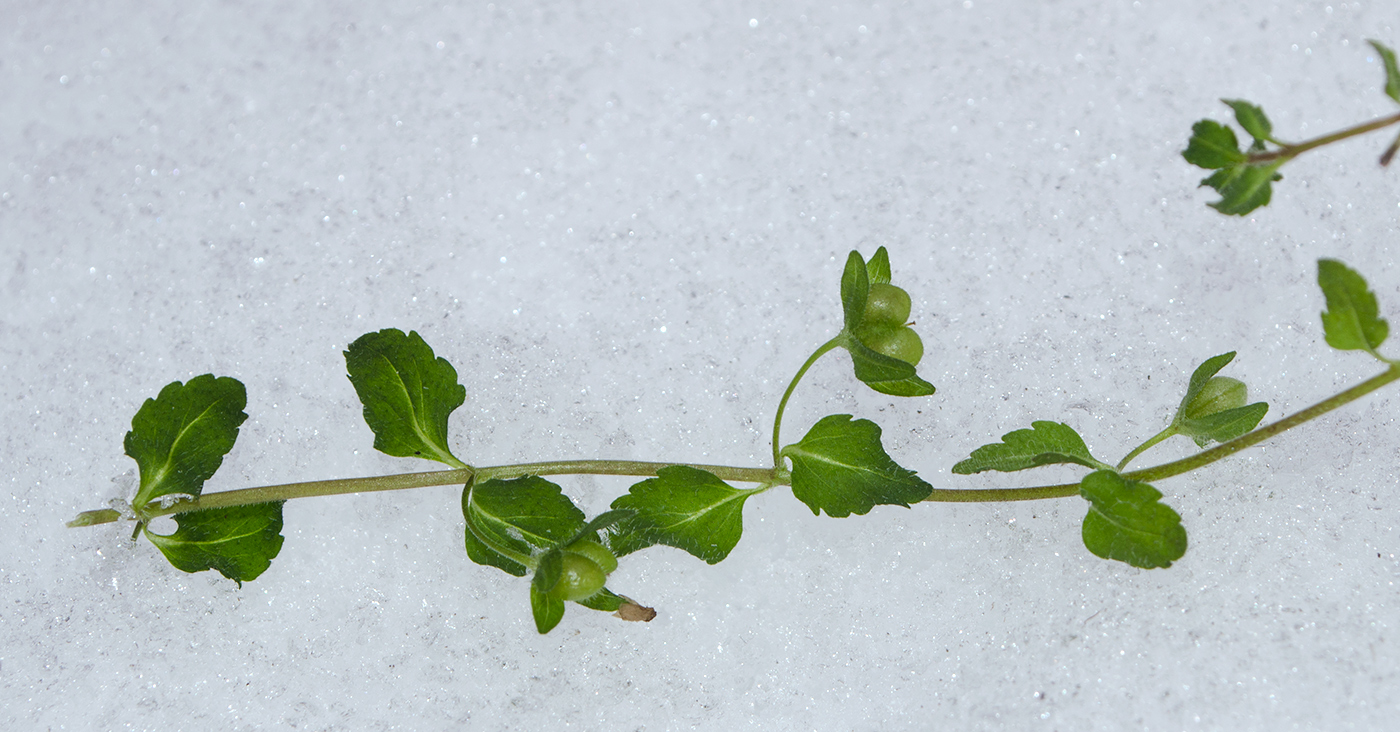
{"x":596,"y":552}
{"x":579,"y":578}
{"x":1218,"y":395}
{"x":896,"y":342}
{"x":886,"y":305}
{"x":585,"y":566}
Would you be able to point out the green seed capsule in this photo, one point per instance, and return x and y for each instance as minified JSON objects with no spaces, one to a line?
{"x":886,"y":305}
{"x":585,"y":569}
{"x":596,"y":552}
{"x":1219,"y":394}
{"x":579,"y":578}
{"x":896,"y":342}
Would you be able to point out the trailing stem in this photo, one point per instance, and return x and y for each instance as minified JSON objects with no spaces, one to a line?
{"x":1176,"y":467}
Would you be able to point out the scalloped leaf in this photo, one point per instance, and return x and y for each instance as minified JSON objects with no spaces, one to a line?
{"x":179,"y":438}
{"x":407,"y":392}
{"x":1352,"y":320}
{"x":684,"y":507}
{"x":240,"y":542}
{"x":841,"y":468}
{"x":1128,"y":522}
{"x":1045,"y":443}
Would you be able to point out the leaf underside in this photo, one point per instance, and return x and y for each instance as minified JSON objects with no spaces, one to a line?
{"x":524,"y":516}
{"x":240,"y":542}
{"x":1242,"y":187}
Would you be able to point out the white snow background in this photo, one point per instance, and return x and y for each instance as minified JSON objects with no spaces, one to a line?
{"x":624,"y":223}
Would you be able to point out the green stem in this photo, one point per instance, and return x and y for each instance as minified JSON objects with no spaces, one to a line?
{"x":288,"y":491}
{"x":782,"y":405}
{"x":1140,"y":449}
{"x":1288,"y":152}
{"x":341,"y":486}
{"x":766,"y":476}
{"x":1001,"y":495}
{"x":1177,"y":467}
{"x":625,"y":467}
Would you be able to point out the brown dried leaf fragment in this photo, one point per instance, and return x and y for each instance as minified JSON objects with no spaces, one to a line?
{"x":634,"y":612}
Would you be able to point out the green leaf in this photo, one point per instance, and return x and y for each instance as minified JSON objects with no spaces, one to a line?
{"x":240,"y":542}
{"x":407,"y":394}
{"x":1045,"y":443}
{"x":548,"y":611}
{"x":840,"y":467}
{"x":1392,"y":72}
{"x":1253,"y":120}
{"x":1212,"y":146}
{"x":1352,"y":321}
{"x":877,"y":270}
{"x":683,"y":507}
{"x":479,"y":552}
{"x":510,"y":521}
{"x":180,"y":438}
{"x":855,"y":289}
{"x":1127,"y":522}
{"x":1224,"y":426}
{"x":1243,"y":188}
{"x":884,"y":374}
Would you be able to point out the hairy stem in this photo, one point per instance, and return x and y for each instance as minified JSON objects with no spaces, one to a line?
{"x":1140,"y":449}
{"x":1288,"y":152}
{"x":287,"y":491}
{"x":768,"y":477}
{"x":782,"y":405}
{"x":1177,"y":467}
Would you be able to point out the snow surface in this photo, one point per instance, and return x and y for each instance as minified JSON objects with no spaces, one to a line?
{"x":624,"y":223}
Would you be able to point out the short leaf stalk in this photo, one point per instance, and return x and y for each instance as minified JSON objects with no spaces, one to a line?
{"x":522,"y":524}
